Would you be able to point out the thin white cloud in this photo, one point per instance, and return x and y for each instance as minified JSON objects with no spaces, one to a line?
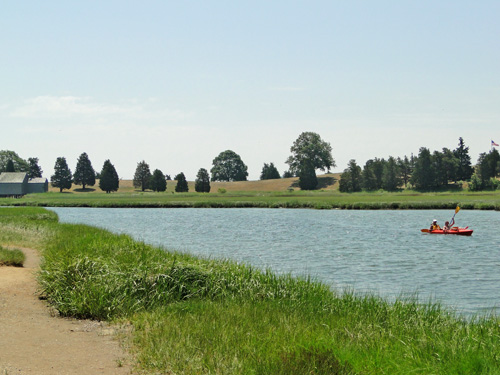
{"x":63,"y":107}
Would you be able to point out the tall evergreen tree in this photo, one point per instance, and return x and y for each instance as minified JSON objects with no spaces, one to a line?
{"x":350,"y":180}
{"x":391,"y":180}
{"x":464,"y":167}
{"x":158,"y":181}
{"x":108,"y":178}
{"x":202,"y":182}
{"x":405,"y":169}
{"x":423,"y":177}
{"x":84,"y":173}
{"x":142,"y":176}
{"x":368,"y":179}
{"x":34,"y":169}
{"x":182,"y":185}
{"x":62,"y":177}
{"x":269,"y":172}
{"x":10,"y":166}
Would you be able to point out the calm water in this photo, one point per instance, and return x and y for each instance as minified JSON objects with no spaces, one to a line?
{"x":377,"y":251}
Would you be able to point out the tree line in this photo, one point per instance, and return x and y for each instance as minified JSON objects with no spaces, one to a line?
{"x":425,"y":172}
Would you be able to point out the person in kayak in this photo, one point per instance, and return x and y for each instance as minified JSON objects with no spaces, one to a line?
{"x":448,"y":226}
{"x":434,"y":225}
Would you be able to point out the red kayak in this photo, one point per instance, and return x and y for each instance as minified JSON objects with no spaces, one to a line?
{"x":454,"y":230}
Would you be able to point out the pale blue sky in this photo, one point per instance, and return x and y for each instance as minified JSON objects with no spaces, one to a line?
{"x":174,"y":83}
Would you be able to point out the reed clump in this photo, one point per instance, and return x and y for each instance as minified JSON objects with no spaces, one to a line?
{"x":11,"y":257}
{"x":201,"y":316}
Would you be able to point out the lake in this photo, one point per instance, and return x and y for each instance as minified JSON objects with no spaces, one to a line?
{"x":382,"y":252}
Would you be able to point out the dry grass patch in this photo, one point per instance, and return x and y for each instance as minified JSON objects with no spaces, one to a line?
{"x":326,"y":182}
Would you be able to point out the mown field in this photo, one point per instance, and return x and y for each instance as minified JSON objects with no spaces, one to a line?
{"x":199,"y":316}
{"x":267,"y":194}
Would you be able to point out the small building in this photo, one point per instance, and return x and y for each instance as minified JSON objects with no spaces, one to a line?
{"x":17,"y":184}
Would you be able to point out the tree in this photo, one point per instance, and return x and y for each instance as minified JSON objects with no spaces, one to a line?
{"x":158,"y":181}
{"x":202,"y":182}
{"x":269,"y":172}
{"x":142,"y":176}
{"x":182,"y":185}
{"x":370,"y":180}
{"x":390,"y":179}
{"x":62,"y":177}
{"x":350,"y":180}
{"x":423,"y":177}
{"x":464,"y":169}
{"x":20,"y":164}
{"x":309,"y":149}
{"x":405,"y":169}
{"x":108,"y":178}
{"x":487,"y":168}
{"x":307,"y":176}
{"x":10,"y":166}
{"x":34,"y":169}
{"x":228,"y":166}
{"x":84,"y":173}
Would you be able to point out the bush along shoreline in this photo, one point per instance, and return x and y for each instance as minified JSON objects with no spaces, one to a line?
{"x":328,"y":201}
{"x":197,"y":316}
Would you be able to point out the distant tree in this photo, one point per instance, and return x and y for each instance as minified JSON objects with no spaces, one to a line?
{"x":34,"y":169}
{"x":350,"y":180}
{"x":423,"y":177}
{"x":487,"y":168}
{"x":405,"y":169}
{"x":310,"y":150}
{"x":20,"y":165}
{"x":307,"y":176}
{"x":368,"y":179}
{"x":168,"y":178}
{"x":158,"y":182}
{"x":62,"y":177}
{"x":84,"y":173}
{"x":10,"y":166}
{"x":182,"y":185}
{"x":202,"y":182}
{"x":142,"y":176}
{"x":450,"y":164}
{"x":288,"y":174}
{"x":464,"y":168}
{"x":108,"y":178}
{"x":228,"y":166}
{"x":269,"y":172}
{"x":391,"y":180}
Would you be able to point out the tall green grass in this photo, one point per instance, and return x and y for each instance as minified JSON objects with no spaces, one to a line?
{"x":200,"y":316}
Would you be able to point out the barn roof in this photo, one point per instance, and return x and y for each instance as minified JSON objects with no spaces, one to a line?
{"x":37,"y":180}
{"x":12,"y":177}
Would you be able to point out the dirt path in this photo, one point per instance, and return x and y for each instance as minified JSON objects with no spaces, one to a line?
{"x":34,"y":342}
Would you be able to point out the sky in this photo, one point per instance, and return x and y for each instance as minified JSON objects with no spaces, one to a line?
{"x":175,"y":83}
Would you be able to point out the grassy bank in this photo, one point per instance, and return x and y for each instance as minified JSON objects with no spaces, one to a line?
{"x":199,"y":316}
{"x":328,"y":199}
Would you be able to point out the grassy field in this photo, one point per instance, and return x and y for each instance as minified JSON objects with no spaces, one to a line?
{"x":198,"y":316}
{"x":267,"y":194}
